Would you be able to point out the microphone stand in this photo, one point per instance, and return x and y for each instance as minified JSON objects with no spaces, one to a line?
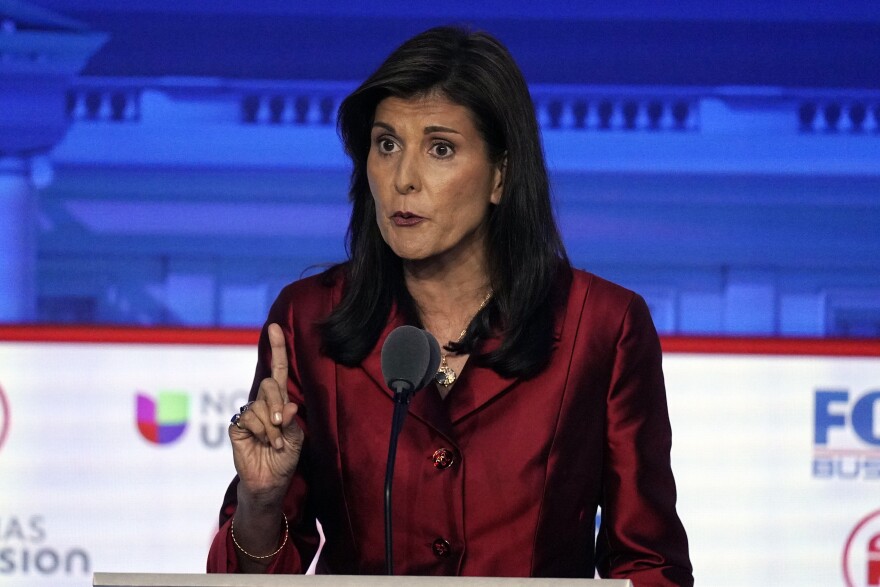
{"x":402,"y":395}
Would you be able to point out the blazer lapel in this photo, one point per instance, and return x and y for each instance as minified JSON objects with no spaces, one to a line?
{"x":478,"y":385}
{"x":372,"y":364}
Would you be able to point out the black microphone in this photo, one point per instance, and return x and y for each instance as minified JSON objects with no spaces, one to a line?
{"x":410,"y":358}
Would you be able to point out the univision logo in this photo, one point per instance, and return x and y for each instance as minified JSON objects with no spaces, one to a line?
{"x":162,"y":420}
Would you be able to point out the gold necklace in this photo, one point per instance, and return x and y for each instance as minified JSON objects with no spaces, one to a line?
{"x":446,"y":375}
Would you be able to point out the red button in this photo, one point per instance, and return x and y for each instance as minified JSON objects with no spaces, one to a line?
{"x":443,"y":458}
{"x":441,"y":548}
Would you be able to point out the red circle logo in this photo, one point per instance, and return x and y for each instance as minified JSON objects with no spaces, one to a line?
{"x":861,"y":556}
{"x":4,"y":418}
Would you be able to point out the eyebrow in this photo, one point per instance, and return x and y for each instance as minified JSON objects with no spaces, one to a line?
{"x":428,"y":129}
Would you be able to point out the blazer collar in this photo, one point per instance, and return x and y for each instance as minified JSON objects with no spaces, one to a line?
{"x":477,"y":385}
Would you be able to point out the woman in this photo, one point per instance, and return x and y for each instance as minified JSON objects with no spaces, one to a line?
{"x":550,"y":398}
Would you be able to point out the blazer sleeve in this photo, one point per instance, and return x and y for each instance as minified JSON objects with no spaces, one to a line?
{"x":640,"y":537}
{"x":304,"y":538}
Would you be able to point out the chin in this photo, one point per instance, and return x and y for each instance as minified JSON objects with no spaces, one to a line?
{"x":409,"y":252}
{"x":411,"y":257}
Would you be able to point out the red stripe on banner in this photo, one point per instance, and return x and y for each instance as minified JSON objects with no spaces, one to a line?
{"x":129,"y":334}
{"x":837,"y":347}
{"x":249,"y":336}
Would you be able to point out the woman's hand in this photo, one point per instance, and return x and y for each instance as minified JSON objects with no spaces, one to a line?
{"x":266,"y":440}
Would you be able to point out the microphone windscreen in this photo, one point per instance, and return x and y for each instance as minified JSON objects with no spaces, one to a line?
{"x":434,"y":363}
{"x":406,"y":356}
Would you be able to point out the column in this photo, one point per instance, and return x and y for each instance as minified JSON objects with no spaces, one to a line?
{"x":17,"y":241}
{"x":41,"y":54}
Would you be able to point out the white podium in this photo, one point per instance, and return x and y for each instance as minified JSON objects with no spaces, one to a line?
{"x":197,"y":580}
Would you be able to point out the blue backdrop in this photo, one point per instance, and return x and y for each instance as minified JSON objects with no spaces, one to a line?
{"x":177,"y":163}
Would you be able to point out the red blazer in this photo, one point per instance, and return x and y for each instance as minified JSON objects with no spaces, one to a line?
{"x":503,"y":478}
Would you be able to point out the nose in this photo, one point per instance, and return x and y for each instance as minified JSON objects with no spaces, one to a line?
{"x":407,"y":178}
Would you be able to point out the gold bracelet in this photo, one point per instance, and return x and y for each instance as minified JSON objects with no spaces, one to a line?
{"x":253,"y":556}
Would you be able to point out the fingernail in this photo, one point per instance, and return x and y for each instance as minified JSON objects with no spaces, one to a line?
{"x":277,"y":417}
{"x":279,"y":443}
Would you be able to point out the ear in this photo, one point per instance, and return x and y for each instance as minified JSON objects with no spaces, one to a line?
{"x":498,"y":186}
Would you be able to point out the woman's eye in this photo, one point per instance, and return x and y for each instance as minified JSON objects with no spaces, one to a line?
{"x":386,"y":145}
{"x":442,"y":150}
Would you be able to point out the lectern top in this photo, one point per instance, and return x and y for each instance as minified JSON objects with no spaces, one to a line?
{"x":219,"y":580}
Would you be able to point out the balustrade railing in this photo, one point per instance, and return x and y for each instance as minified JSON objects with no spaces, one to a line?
{"x":576,"y":108}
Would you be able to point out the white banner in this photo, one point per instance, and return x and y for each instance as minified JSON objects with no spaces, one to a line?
{"x":113,"y":457}
{"x":764,"y":502}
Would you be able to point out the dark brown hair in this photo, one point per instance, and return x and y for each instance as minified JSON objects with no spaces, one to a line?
{"x":528,"y":267}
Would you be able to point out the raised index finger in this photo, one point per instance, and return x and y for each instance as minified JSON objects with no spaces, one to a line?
{"x":279,"y":359}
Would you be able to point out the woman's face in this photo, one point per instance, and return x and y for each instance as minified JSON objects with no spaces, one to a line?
{"x":431,"y":179}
